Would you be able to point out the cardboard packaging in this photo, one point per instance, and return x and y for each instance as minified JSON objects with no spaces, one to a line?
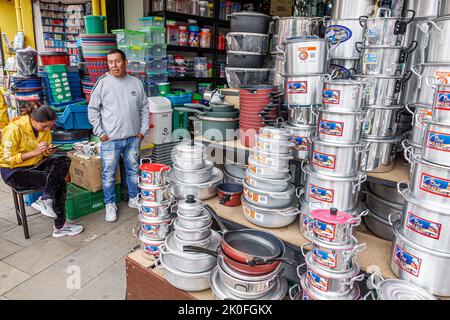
{"x":281,"y":8}
{"x":86,"y":172}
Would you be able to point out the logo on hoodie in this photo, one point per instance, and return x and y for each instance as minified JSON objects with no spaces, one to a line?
{"x":133,"y":93}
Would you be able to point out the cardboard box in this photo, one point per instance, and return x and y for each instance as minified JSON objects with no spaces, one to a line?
{"x":87,"y":172}
{"x":281,"y":8}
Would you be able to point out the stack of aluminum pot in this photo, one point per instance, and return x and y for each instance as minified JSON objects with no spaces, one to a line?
{"x":383,"y":55}
{"x":421,"y":247}
{"x":331,"y":266}
{"x":190,"y":271}
{"x":154,"y":207}
{"x":269,"y":199}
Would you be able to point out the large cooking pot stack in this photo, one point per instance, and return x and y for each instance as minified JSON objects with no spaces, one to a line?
{"x":270,"y":199}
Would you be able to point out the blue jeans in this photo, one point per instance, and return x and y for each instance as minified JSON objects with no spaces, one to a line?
{"x":110,"y":153}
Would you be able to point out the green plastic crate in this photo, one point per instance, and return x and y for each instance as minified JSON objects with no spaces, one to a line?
{"x":80,"y":202}
{"x":56,"y":68}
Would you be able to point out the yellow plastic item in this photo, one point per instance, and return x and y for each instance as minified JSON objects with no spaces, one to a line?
{"x":4,"y":119}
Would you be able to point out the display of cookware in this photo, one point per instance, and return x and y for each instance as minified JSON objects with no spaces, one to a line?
{"x":441,"y":104}
{"x":194,"y":175}
{"x":344,"y":33}
{"x":420,"y":114}
{"x":429,"y":75}
{"x":350,"y":9}
{"x":300,"y":135}
{"x":243,"y":59}
{"x":381,"y":154}
{"x":154,"y":209}
{"x":230,"y":194}
{"x":343,"y":68}
{"x":271,"y":145}
{"x":345,"y":95}
{"x":438,"y":39}
{"x":270,"y":199}
{"x":202,"y":191}
{"x":384,"y":122}
{"x":247,"y":42}
{"x":155,"y":228}
{"x":151,"y":193}
{"x":153,"y":173}
{"x":266,"y":171}
{"x":150,"y":248}
{"x":288,"y":27}
{"x":304,"y":90}
{"x":436,"y":143}
{"x":311,"y":293}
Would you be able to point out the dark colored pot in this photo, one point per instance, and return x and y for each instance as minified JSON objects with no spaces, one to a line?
{"x":237,"y":59}
{"x":230,"y":194}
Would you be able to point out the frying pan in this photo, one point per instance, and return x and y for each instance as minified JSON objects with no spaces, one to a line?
{"x":212,"y":107}
{"x":211,"y":114}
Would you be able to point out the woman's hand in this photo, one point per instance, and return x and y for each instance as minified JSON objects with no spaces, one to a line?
{"x":49,"y":152}
{"x":40,"y":149}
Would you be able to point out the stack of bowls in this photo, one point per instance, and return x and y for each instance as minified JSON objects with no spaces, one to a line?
{"x":190,"y":271}
{"x":154,"y":207}
{"x":331,"y":266}
{"x":95,"y":49}
{"x":192,"y":173}
{"x":270,"y":199}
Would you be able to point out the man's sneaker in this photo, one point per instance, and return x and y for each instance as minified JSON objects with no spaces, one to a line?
{"x":45,"y":207}
{"x":133,"y":203}
{"x":111,"y":212}
{"x":67,"y":230}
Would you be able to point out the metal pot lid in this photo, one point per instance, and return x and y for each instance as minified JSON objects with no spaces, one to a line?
{"x":287,"y":177}
{"x":390,"y":107}
{"x":359,"y":207}
{"x":173,"y":248}
{"x":283,"y":195}
{"x":217,"y":176}
{"x":188,"y":147}
{"x":208,"y":166}
{"x":389,"y":140}
{"x":315,"y":294}
{"x":155,"y":220}
{"x":190,"y":203}
{"x":247,"y":34}
{"x":316,"y":140}
{"x":342,"y":81}
{"x":278,"y":292}
{"x":310,"y":171}
{"x":245,"y":53}
{"x":274,"y":130}
{"x":293,"y":210}
{"x":396,"y":289}
{"x":409,"y":197}
{"x":333,"y":216}
{"x":253,"y":162}
{"x":142,"y":237}
{"x":249,"y":13}
{"x":300,"y":39}
{"x":312,"y":265}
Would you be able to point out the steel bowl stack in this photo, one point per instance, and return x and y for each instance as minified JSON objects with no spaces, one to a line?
{"x":331,"y":266}
{"x":270,"y":200}
{"x":154,"y":207}
{"x":190,"y":271}
{"x":192,"y":173}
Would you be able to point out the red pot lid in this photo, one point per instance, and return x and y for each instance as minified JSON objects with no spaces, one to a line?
{"x":154,"y":167}
{"x":332,"y":216}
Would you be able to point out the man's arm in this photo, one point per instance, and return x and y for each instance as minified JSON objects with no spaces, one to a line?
{"x":145,"y":112}
{"x":94,"y":111}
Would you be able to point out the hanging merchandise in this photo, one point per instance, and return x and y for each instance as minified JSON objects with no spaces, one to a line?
{"x":27,"y":62}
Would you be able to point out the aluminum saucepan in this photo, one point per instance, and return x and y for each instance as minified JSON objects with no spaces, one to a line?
{"x":154,"y":209}
{"x":436,"y":143}
{"x":156,"y":228}
{"x":190,"y":207}
{"x":311,"y":293}
{"x":300,"y":136}
{"x":266,"y":171}
{"x":180,"y":243}
{"x":230,"y":194}
{"x":384,"y":122}
{"x":153,"y":173}
{"x":271,"y":159}
{"x":194,"y":176}
{"x":429,"y":75}
{"x":441,"y":104}
{"x":194,"y":223}
{"x":158,"y":194}
{"x":345,"y":95}
{"x":420,"y":114}
{"x":192,"y":234}
{"x":201,"y":191}
{"x":438,"y":39}
{"x":381,"y":154}
{"x":274,"y":146}
{"x":269,"y":199}
{"x":304,"y":90}
{"x":264,"y":184}
{"x":150,"y":248}
{"x":274,"y":133}
{"x":190,"y":150}
{"x":190,"y":163}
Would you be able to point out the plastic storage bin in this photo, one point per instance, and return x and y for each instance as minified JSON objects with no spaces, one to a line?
{"x":137,"y":66}
{"x":135,"y":38}
{"x":156,"y":65}
{"x":152,"y":21}
{"x":159,"y":50}
{"x":151,"y":89}
{"x":74,"y":117}
{"x":154,"y":35}
{"x":136,"y":53}
{"x":157,"y":77}
{"x":120,"y":34}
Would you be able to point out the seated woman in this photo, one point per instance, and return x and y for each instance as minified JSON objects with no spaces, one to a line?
{"x":25,"y":164}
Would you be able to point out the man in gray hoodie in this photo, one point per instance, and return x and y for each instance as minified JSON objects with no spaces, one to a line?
{"x":119,"y":112}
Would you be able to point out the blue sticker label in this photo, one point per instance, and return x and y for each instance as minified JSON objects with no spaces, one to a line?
{"x":297,"y":87}
{"x":326,"y":258}
{"x":424,"y":227}
{"x":331,"y":128}
{"x":407,"y":261}
{"x":301,"y":143}
{"x":438,"y":141}
{"x":338,"y":34}
{"x":370,"y":58}
{"x":317,"y":281}
{"x":322,"y":194}
{"x":435,"y":185}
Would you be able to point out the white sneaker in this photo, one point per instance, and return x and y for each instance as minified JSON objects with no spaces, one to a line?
{"x":45,"y":207}
{"x":133,"y":203}
{"x":111,"y":212}
{"x":67,"y":230}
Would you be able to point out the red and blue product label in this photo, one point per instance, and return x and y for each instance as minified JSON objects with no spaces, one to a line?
{"x":322,"y":194}
{"x":317,"y":281}
{"x":150,"y":229}
{"x":338,"y":34}
{"x":438,"y":141}
{"x":435,"y":185}
{"x":151,"y":249}
{"x":324,"y":257}
{"x":325,"y":230}
{"x":297,"y":87}
{"x":331,"y":128}
{"x":443,"y":100}
{"x":324,"y":160}
{"x":423,"y":227}
{"x":407,"y":261}
{"x":301,"y":143}
{"x":331,"y":96}
{"x":148,"y":195}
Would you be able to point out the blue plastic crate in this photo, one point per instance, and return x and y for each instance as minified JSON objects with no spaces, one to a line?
{"x":178,"y":99}
{"x":74,"y":117}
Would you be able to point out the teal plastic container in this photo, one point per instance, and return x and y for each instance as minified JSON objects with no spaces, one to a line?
{"x":95,"y":24}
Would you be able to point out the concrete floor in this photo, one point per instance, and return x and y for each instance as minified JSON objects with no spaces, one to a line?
{"x":88,"y":266}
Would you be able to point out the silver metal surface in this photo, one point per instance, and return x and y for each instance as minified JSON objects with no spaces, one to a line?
{"x":441,"y":104}
{"x":201,"y":191}
{"x":436,"y":143}
{"x":381,"y":154}
{"x":303,"y":90}
{"x":381,"y":90}
{"x":343,"y":95}
{"x":270,"y":200}
{"x":382,"y":60}
{"x":261,"y":183}
{"x":306,"y":56}
{"x":384,"y":122}
{"x":345,"y":32}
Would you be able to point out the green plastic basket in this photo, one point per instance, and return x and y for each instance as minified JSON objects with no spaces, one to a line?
{"x":80,"y":202}
{"x":56,"y":68}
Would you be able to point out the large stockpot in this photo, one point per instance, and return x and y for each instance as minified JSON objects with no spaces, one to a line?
{"x":341,"y":193}
{"x":247,"y":21}
{"x":386,"y":193}
{"x":439,"y":39}
{"x":381,"y":154}
{"x":423,"y":8}
{"x":300,"y":137}
{"x":157,"y":194}
{"x":420,"y":114}
{"x":345,"y":95}
{"x":266,"y":171}
{"x":348,"y":9}
{"x":339,"y":160}
{"x":271,"y":145}
{"x":381,"y":207}
{"x":345,"y":33}
{"x":271,"y":200}
{"x":156,"y":228}
{"x":288,"y":27}
{"x":314,"y":294}
{"x":261,"y":183}
{"x":342,"y":127}
{"x":194,"y":176}
{"x":423,"y":267}
{"x":384,"y":122}
{"x":423,"y":224}
{"x":444,"y":8}
{"x":201,"y":191}
{"x":304,"y":90}
{"x":269,"y":218}
{"x":441,"y":104}
{"x":306,"y":56}
{"x":379,"y":226}
{"x":386,"y":30}
{"x":436,"y":143}
{"x":430,"y":74}
{"x":299,"y":115}
{"x":385,"y":60}
{"x":381,"y":90}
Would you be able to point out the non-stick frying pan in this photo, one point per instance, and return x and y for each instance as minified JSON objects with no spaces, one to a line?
{"x":210,"y":114}
{"x":212,"y":107}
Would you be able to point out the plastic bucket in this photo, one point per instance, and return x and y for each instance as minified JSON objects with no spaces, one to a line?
{"x":95,"y":24}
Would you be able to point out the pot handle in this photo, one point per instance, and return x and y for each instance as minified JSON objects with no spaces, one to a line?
{"x":361,"y":179}
{"x":368,"y":117}
{"x":359,"y":248}
{"x":293,"y":291}
{"x":365,"y":155}
{"x":279,"y":50}
{"x":145,"y":160}
{"x":431,"y":82}
{"x":358,"y":46}
{"x":299,"y":191}
{"x":352,"y":281}
{"x":216,"y":217}
{"x":313,"y":111}
{"x":436,"y":26}
{"x":381,"y":9}
{"x":363,"y":21}
{"x":417,"y":73}
{"x":299,"y":268}
{"x":224,"y":199}
{"x":413,"y":46}
{"x":302,"y":248}
{"x":393,"y":217}
{"x":303,"y":165}
{"x":409,"y":19}
{"x":196,"y":249}
{"x":135,"y":231}
{"x":372,"y":281}
{"x":291,"y":213}
{"x":401,"y":190}
{"x":407,"y":152}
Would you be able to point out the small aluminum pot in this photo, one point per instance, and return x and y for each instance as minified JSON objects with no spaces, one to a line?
{"x":300,"y":136}
{"x":309,"y":293}
{"x":429,"y":74}
{"x":341,"y":126}
{"x":304,"y":90}
{"x":345,"y":33}
{"x":345,"y":95}
{"x":274,"y":133}
{"x":155,"y":228}
{"x":264,"y":184}
{"x":150,"y":248}
{"x":192,"y":234}
{"x":230,"y":194}
{"x":420,"y":114}
{"x":266,"y":171}
{"x":275,"y":146}
{"x":190,"y":207}
{"x":438,"y":40}
{"x":157,"y":194}
{"x":330,"y":283}
{"x":441,"y":104}
{"x":384,"y":122}
{"x":336,"y":192}
{"x":379,"y":226}
{"x":421,"y":266}
{"x":436,"y":143}
{"x":190,"y":151}
{"x":269,"y":218}
{"x":194,"y":223}
{"x":336,"y":258}
{"x":381,"y":154}
{"x":271,"y":159}
{"x":301,"y":115}
{"x":386,"y":60}
{"x":425,"y":225}
{"x":194,"y":176}
{"x":153,"y":173}
{"x":180,"y":243}
{"x":154,"y":209}
{"x":338,"y":160}
{"x":190,"y":163}
{"x":270,"y":200}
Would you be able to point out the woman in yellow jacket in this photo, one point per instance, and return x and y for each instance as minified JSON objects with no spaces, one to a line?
{"x":25,"y":164}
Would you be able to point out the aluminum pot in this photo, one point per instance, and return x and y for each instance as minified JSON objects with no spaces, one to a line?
{"x":156,"y":228}
{"x":380,"y":90}
{"x":345,"y":95}
{"x":154,"y":209}
{"x":330,"y":283}
{"x":190,"y":163}
{"x":381,"y":154}
{"x":304,"y":90}
{"x":241,"y":59}
{"x":385,"y":60}
{"x":441,"y":104}
{"x":247,"y":21}
{"x":274,"y":133}
{"x":338,"y":160}
{"x":202,"y":191}
{"x":153,"y":173}
{"x":190,"y":150}
{"x":271,"y":145}
{"x":314,"y":294}
{"x":300,"y":136}
{"x":424,"y":267}
{"x":150,"y":248}
{"x":342,"y":127}
{"x":190,"y":207}
{"x":157,"y":194}
{"x":350,"y":9}
{"x":343,"y":68}
{"x":264,"y":184}
{"x":192,"y":234}
{"x":194,"y":223}
{"x":436,"y":143}
{"x":444,"y":8}
{"x":270,"y":200}
{"x":385,"y":30}
{"x":423,"y":8}
{"x":269,"y":218}
{"x":425,"y":225}
{"x":337,"y":258}
{"x":266,"y":171}
{"x":288,"y":27}
{"x":299,"y":115}
{"x":194,"y":176}
{"x":429,"y":75}
{"x":336,"y":192}
{"x":381,"y":207}
{"x":271,"y":159}
{"x":386,"y":193}
{"x":384,"y":122}
{"x":379,"y":226}
{"x":345,"y":32}
{"x":420,"y":114}
{"x":180,"y":243}
{"x":230,"y":179}
{"x":438,"y":39}
{"x":247,"y":42}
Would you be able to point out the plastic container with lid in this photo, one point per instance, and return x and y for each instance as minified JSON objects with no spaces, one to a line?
{"x":172,"y":34}
{"x":194,"y":36}
{"x":160,"y":120}
{"x":205,"y":38}
{"x":203,"y":8}
{"x":183,"y":37}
